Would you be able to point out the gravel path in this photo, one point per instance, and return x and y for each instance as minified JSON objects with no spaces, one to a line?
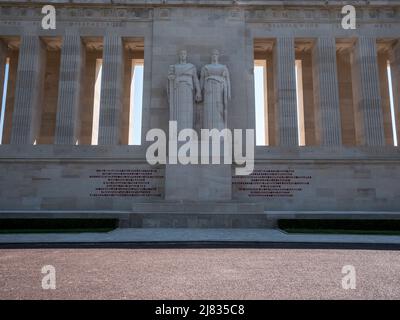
{"x":198,"y":274}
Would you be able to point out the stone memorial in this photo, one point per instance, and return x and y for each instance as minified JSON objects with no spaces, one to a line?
{"x":321,"y":91}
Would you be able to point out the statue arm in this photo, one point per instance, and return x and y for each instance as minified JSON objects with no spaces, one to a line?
{"x":196,"y":85}
{"x":170,"y":80}
{"x":228,"y":82}
{"x":202,"y":78}
{"x":168,"y":87}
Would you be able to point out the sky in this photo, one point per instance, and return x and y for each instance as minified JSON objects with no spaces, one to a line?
{"x":389,"y":71}
{"x":135,"y":117}
{"x":259,"y":103}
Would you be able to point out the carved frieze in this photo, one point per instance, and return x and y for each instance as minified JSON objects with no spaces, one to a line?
{"x":318,"y":15}
{"x":15,"y":13}
{"x":274,"y":15}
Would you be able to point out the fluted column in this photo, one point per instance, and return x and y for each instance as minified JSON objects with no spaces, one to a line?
{"x":395,"y":69}
{"x":326,"y":92}
{"x":367,"y":93}
{"x":111,"y":90}
{"x":69,"y":90}
{"x":3,"y":58}
{"x":29,"y":90}
{"x":285,"y":92}
{"x":383,"y":58}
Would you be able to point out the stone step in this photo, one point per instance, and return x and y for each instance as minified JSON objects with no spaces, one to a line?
{"x":198,"y":207}
{"x":197,"y":220}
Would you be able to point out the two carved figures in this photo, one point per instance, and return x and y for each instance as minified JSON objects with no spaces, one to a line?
{"x":185,"y":89}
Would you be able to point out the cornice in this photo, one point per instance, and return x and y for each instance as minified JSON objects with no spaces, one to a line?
{"x":230,"y":3}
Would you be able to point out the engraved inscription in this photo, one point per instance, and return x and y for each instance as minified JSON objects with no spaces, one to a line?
{"x":128,"y":183}
{"x":270,"y":183}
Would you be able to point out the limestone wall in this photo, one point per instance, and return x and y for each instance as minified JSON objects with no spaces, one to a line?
{"x":60,"y":178}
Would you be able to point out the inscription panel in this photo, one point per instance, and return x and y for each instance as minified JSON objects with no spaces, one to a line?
{"x":127,"y":183}
{"x":267,"y":183}
{"x":76,"y":185}
{"x":321,"y":186}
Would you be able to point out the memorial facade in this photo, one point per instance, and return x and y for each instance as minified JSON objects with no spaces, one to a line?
{"x":74,"y":123}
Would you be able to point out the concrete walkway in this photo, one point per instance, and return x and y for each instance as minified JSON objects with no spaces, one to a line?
{"x":181,"y":236}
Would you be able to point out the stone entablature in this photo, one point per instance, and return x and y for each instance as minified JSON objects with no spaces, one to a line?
{"x":373,"y":13}
{"x":64,"y":13}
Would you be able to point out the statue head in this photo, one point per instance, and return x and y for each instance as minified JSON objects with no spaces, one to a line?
{"x":182,"y":56}
{"x":214,"y":56}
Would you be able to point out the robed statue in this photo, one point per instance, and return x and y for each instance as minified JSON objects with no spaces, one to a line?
{"x":215,"y":83}
{"x":183,"y":90}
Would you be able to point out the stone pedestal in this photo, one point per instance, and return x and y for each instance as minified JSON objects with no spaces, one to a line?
{"x":198,"y":214}
{"x":209,"y":182}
